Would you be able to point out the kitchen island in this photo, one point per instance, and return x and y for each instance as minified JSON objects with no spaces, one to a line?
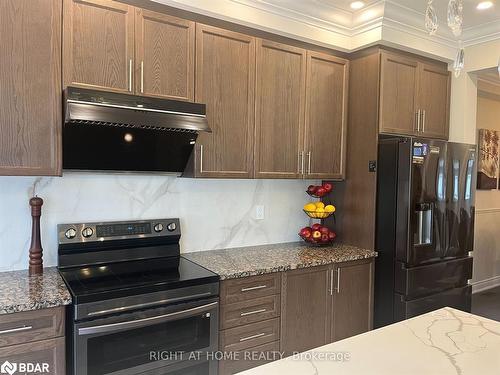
{"x":442,"y":342}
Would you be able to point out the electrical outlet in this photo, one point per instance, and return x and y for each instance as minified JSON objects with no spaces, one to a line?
{"x":260,"y":212}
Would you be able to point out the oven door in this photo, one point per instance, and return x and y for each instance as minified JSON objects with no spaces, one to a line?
{"x":169,"y":340}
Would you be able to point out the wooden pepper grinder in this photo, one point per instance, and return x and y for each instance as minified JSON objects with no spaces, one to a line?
{"x":36,"y":251}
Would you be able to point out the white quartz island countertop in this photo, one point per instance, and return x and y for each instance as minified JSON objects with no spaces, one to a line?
{"x":446,"y":341}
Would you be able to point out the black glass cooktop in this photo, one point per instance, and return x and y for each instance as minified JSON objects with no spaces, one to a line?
{"x":113,"y":280}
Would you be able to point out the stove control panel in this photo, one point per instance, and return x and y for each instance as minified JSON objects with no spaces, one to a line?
{"x":117,"y":230}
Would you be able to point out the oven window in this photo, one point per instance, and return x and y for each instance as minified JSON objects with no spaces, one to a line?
{"x":135,"y":347}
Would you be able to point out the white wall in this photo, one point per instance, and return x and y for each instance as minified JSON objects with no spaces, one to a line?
{"x":214,"y":213}
{"x":487,"y":234}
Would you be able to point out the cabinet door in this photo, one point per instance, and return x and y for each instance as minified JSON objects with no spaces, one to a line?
{"x":279,"y":110}
{"x":98,"y":44}
{"x":398,"y":94}
{"x":434,"y":100}
{"x":49,"y":354}
{"x":353,"y":299}
{"x":164,"y":55}
{"x":305,"y":309}
{"x":30,"y":89}
{"x":225,"y":82}
{"x":326,"y":115}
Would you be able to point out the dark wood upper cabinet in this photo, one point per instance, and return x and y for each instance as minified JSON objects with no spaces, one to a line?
{"x":305,"y":309}
{"x":325,"y":115}
{"x":30,"y":89}
{"x":398,"y":94}
{"x":280,"y":104}
{"x":164,"y":47}
{"x":98,"y":45}
{"x":414,"y":96}
{"x":352,"y":299}
{"x":225,"y":82}
{"x":434,"y":100}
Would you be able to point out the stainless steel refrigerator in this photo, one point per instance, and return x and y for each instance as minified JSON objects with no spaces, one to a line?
{"x":425,"y":227}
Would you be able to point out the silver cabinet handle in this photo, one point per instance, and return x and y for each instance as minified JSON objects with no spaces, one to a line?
{"x":253,"y":312}
{"x":201,"y":158}
{"x":18,"y":329}
{"x":331,"y":282}
{"x":417,"y":120}
{"x":309,"y":162}
{"x":423,"y":121}
{"x":142,"y":77}
{"x":253,"y":288}
{"x":298,"y":161}
{"x":130,"y":75}
{"x":252,"y":337}
{"x":113,"y":327}
{"x":301,"y":162}
{"x":338,"y":279}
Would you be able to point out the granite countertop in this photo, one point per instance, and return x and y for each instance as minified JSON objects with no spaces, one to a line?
{"x":442,"y":342}
{"x":21,"y":292}
{"x":258,"y":260}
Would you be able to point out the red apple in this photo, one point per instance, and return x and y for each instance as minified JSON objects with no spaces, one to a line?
{"x":316,"y":234}
{"x":325,"y":238}
{"x":311,"y":189}
{"x":321,"y":191}
{"x":305,"y":232}
{"x":332,"y":235}
{"x":316,"y":226}
{"x":324,"y":230}
{"x":328,"y":187}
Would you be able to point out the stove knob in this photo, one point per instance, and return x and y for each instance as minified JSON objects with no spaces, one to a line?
{"x":171,"y":227}
{"x":87,"y":232}
{"x":70,"y":233}
{"x":158,"y":227}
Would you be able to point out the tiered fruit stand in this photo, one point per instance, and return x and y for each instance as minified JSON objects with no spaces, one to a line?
{"x":317,"y":234}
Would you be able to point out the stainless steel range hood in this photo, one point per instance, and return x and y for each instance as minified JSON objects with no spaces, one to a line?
{"x":107,"y":131}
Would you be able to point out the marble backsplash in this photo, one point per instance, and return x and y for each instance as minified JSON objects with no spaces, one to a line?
{"x":214,"y":214}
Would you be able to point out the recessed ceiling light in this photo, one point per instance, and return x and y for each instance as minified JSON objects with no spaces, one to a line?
{"x":357,"y":5}
{"x":484,"y":5}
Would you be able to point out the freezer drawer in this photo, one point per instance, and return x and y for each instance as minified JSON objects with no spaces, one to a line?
{"x":458,"y":298}
{"x":421,"y":281}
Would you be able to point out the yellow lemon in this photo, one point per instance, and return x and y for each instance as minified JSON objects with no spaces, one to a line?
{"x":310,"y":207}
{"x":329,"y":208}
{"x":320,"y":210}
{"x":320,"y":205}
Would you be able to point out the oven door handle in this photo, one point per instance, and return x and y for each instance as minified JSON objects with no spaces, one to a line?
{"x":114,"y":327}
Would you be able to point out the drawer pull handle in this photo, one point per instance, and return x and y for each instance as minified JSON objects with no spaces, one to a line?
{"x":252,"y":337}
{"x":253,"y":312}
{"x":13,"y":330}
{"x":253,"y":288}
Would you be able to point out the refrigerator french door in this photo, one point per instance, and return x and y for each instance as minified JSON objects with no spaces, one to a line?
{"x":425,"y":218}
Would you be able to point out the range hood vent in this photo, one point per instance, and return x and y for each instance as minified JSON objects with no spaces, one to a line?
{"x":115,"y":132}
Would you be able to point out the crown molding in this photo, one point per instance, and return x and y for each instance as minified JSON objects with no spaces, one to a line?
{"x":325,"y":24}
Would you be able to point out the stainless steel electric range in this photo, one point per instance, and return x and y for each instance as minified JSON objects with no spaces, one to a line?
{"x":138,"y":306}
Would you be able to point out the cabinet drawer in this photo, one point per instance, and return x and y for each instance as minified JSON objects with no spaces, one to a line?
{"x":256,"y":310}
{"x":50,"y":354}
{"x":250,"y":358}
{"x":250,"y":335}
{"x":237,"y":290}
{"x":30,"y":326}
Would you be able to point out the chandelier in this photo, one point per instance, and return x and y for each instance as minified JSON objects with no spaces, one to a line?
{"x":454,"y":20}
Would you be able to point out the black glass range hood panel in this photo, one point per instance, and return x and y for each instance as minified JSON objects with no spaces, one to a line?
{"x":117,"y":149}
{"x":114,"y":132}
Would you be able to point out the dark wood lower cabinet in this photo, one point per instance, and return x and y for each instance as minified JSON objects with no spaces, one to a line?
{"x":306,"y":309}
{"x":325,"y":304}
{"x":35,"y":337}
{"x":47,"y":354}
{"x":352,"y":299}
